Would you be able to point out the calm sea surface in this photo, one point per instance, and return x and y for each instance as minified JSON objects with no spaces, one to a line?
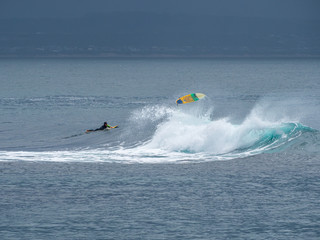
{"x":242,"y":163}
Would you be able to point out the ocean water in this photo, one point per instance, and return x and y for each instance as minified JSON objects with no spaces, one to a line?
{"x":242,"y":163}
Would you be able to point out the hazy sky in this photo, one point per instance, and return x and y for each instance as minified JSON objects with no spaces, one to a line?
{"x":224,"y":26}
{"x":78,"y":8}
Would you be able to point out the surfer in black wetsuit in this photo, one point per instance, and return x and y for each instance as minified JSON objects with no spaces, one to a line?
{"x":103,"y":127}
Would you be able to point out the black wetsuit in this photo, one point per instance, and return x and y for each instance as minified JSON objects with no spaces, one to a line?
{"x":103,"y":127}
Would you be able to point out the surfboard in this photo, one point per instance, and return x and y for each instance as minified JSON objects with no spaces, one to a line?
{"x":190,"y":98}
{"x":91,"y":130}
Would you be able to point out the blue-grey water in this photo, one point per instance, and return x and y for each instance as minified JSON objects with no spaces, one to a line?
{"x":242,"y":163}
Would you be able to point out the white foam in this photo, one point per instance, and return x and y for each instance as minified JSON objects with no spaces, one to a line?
{"x":192,"y":133}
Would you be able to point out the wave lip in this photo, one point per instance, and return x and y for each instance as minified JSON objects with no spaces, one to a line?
{"x":271,"y":139}
{"x":224,"y":140}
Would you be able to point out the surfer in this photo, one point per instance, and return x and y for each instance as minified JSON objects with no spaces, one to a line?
{"x":103,"y":127}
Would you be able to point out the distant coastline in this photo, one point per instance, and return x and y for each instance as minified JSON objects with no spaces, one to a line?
{"x":159,"y":35}
{"x":159,"y":56}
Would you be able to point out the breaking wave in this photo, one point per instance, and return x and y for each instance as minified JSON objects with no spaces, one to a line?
{"x":165,"y":134}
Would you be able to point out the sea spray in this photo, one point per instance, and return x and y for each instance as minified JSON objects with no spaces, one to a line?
{"x":185,"y":132}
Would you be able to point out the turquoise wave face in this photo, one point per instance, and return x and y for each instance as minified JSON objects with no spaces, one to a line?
{"x":274,"y":138}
